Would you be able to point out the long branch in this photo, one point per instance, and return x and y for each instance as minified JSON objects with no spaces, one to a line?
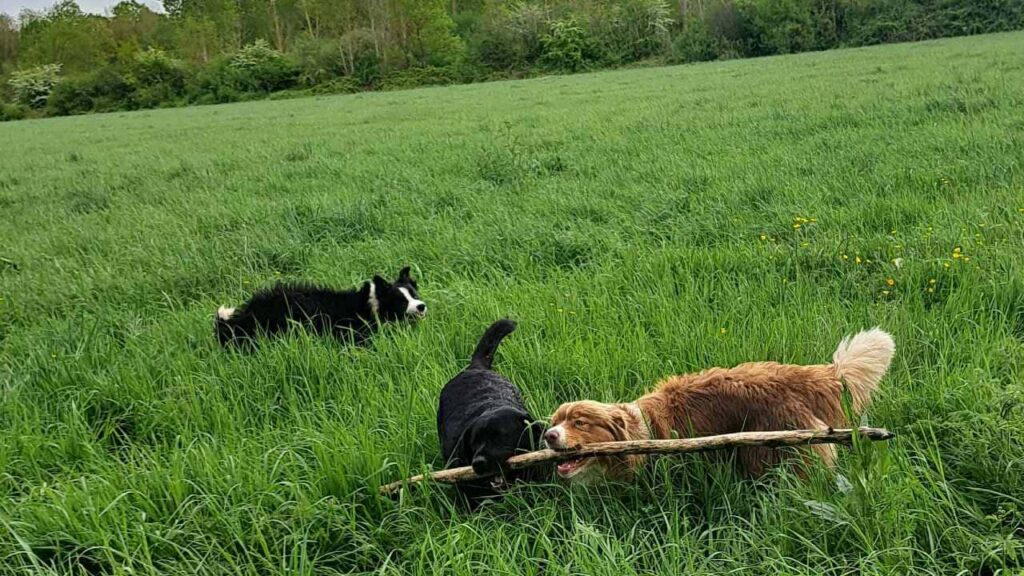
{"x":674,"y":446}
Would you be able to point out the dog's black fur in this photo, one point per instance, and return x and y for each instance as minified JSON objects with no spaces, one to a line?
{"x":482,"y":421}
{"x":343,"y":314}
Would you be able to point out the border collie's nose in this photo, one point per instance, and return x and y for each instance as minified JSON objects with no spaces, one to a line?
{"x":421,"y":308}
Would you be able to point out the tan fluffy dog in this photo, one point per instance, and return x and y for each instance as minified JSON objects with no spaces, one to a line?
{"x":756,"y":396}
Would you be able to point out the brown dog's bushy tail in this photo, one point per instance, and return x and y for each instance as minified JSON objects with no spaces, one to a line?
{"x":483,"y":356}
{"x":861,"y":360}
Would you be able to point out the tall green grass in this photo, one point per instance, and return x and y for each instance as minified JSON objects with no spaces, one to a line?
{"x":636,"y":223}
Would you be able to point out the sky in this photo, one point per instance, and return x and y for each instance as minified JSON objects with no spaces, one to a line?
{"x":13,"y":7}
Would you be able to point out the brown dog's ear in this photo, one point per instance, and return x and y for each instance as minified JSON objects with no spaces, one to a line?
{"x":618,"y":422}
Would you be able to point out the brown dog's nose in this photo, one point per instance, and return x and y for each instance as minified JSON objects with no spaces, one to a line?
{"x":551,"y":436}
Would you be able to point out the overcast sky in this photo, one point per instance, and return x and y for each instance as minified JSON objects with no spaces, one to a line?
{"x":13,"y":7}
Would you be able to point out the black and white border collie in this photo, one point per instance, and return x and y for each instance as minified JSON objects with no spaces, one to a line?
{"x":350,"y":313}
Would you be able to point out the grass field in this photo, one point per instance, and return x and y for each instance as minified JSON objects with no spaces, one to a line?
{"x":636,"y":223}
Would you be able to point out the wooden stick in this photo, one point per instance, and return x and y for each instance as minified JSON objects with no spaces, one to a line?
{"x":675,"y":446}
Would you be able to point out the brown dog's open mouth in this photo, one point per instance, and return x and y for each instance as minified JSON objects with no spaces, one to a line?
{"x":570,"y":468}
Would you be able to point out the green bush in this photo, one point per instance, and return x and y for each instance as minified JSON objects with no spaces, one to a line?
{"x":422,"y":76}
{"x":259,"y":68}
{"x":360,"y":57}
{"x":152,"y":67}
{"x":158,"y":79}
{"x":104,"y":90}
{"x":32,"y":87}
{"x":343,"y":85}
{"x":694,"y":43}
{"x":631,"y":30}
{"x":318,"y":59}
{"x":12,"y":111}
{"x":213,"y":84}
{"x":564,"y":46}
{"x":508,"y":38}
{"x":70,"y":96}
{"x":777,"y":27}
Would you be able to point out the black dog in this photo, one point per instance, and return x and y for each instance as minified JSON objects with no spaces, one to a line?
{"x":352,"y":313}
{"x":481,"y":421}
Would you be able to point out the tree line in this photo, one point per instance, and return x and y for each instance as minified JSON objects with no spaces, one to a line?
{"x":62,"y":61}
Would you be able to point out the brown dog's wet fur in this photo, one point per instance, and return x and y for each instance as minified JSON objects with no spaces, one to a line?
{"x":757,"y":396}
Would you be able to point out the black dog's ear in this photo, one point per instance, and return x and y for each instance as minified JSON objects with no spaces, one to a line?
{"x":403,"y":276}
{"x":379,"y":282}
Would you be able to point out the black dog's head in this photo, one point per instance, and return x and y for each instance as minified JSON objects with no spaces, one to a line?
{"x":399,"y":299}
{"x":498,"y":434}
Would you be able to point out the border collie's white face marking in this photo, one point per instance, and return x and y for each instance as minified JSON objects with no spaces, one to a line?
{"x":225,"y":313}
{"x":413,"y":306}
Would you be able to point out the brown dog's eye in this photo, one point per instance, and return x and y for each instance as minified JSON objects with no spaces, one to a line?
{"x":579,"y":423}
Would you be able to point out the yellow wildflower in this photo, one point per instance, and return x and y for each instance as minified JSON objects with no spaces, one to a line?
{"x":890,"y":282}
{"x":857,"y":260}
{"x":763,"y":237}
{"x":722,"y":330}
{"x":885,"y":292}
{"x":845,"y":257}
{"x":931,"y":280}
{"x":796,"y":225}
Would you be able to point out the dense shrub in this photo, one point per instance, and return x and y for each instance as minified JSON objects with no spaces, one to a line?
{"x":564,"y":46}
{"x":153,"y":66}
{"x":424,"y":76}
{"x":430,"y":40}
{"x":510,"y":37}
{"x":12,"y":112}
{"x":158,"y":79}
{"x":319,"y":60}
{"x":631,"y":30}
{"x":104,"y":90}
{"x":213,"y":84}
{"x":695,"y":43}
{"x":70,"y":96}
{"x":32,"y":87}
{"x":778,"y":27}
{"x":259,"y":68}
{"x":361,"y":59}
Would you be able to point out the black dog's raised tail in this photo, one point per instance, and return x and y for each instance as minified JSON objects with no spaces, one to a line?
{"x":483,"y":356}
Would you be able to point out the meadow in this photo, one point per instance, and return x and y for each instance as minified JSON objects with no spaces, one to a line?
{"x":636,"y":223}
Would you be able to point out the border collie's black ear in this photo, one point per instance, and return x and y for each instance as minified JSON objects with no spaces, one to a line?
{"x":403,"y":275}
{"x":379,"y":282}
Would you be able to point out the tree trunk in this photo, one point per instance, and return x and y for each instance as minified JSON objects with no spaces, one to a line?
{"x":278,"y":31}
{"x":309,"y":23}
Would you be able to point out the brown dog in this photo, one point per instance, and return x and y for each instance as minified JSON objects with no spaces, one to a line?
{"x":757,"y":396}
